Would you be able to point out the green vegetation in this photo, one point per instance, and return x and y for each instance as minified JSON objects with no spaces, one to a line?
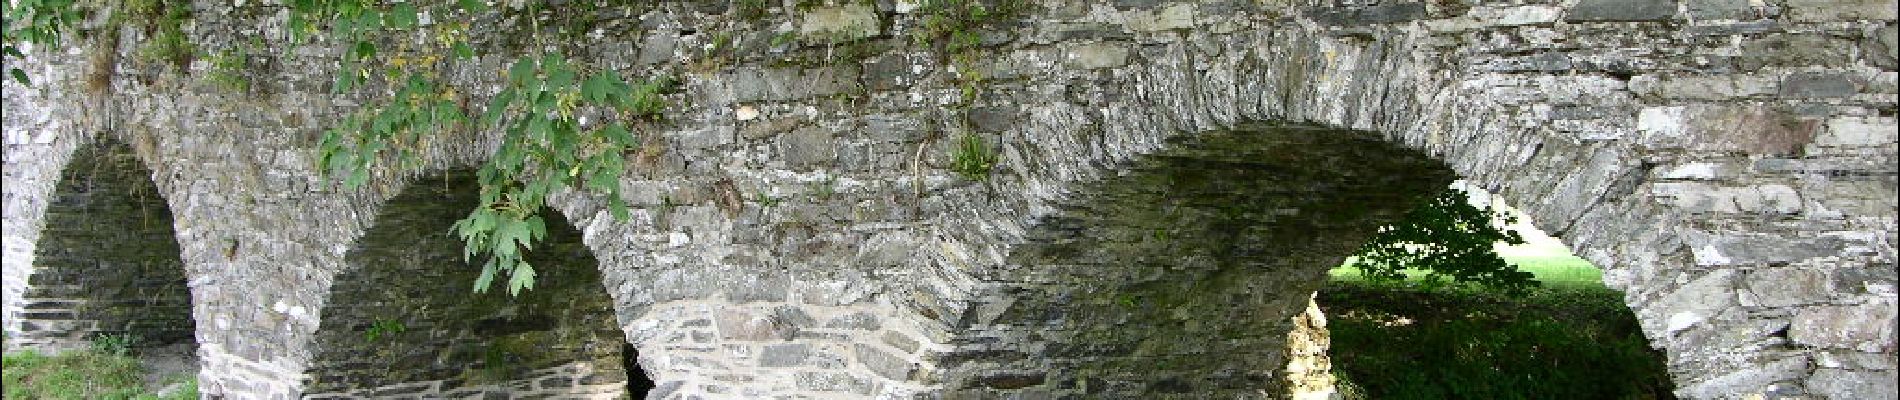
{"x":228,"y":68}
{"x":546,"y":144}
{"x":1399,"y":341}
{"x":168,"y":43}
{"x":115,"y":344}
{"x":955,"y":26}
{"x":1430,"y":310}
{"x":80,"y":374}
{"x":973,"y":158}
{"x":1448,"y":239}
{"x":383,"y":328}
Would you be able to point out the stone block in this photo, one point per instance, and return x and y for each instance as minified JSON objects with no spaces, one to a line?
{"x":1883,"y":47}
{"x":1714,"y":250}
{"x":1693,"y":303}
{"x":884,"y":363}
{"x":1782,"y":287}
{"x":746,"y":326}
{"x":1361,"y":16}
{"x":1703,"y":10}
{"x":1752,"y":378}
{"x":1859,"y":131}
{"x":854,"y":321}
{"x":808,"y":148}
{"x":1096,"y":56}
{"x":1765,"y":130}
{"x":843,"y":23}
{"x":1705,"y":87}
{"x":1817,"y":85}
{"x":1846,"y":384}
{"x":900,"y":341}
{"x":1176,"y":16}
{"x":1794,"y":50}
{"x":784,"y":355}
{"x":1839,"y":10}
{"x":1621,"y":10}
{"x":1866,"y":327}
{"x":1516,"y":16}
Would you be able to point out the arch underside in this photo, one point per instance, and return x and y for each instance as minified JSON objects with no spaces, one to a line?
{"x":107,"y":262}
{"x":1179,"y":277}
{"x":403,"y":320}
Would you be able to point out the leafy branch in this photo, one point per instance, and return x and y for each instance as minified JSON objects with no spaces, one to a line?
{"x":559,"y":130}
{"x":1449,"y":239}
{"x":35,"y":22}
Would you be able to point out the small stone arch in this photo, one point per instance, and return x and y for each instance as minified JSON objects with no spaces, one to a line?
{"x":402,"y":319}
{"x":107,"y":261}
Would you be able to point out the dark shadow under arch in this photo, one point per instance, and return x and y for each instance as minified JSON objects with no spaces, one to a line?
{"x":403,"y":320}
{"x":107,"y":262}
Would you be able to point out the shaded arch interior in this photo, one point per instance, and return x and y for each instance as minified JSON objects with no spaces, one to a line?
{"x":107,"y":262}
{"x":403,"y":320}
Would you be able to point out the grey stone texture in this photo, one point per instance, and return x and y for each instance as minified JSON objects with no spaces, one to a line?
{"x":1175,"y":179}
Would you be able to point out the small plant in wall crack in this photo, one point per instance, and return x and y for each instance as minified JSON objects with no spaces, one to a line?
{"x":383,"y":328}
{"x":973,"y":158}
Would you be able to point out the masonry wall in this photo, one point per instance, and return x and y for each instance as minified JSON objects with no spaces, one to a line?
{"x":1730,"y":164}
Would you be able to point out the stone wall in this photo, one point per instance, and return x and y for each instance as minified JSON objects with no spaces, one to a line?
{"x":1731,"y":165}
{"x":106,"y":263}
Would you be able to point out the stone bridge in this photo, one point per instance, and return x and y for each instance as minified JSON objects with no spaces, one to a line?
{"x":1173,"y":180}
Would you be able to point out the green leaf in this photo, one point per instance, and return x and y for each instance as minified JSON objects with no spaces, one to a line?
{"x":522,"y":71}
{"x":617,"y":134}
{"x":363,"y":49}
{"x":487,"y":278}
{"x":537,"y":227}
{"x":598,"y":87}
{"x":497,"y":106}
{"x":560,"y":79}
{"x":521,"y":279}
{"x":448,"y":112}
{"x":618,"y":207}
{"x":403,"y":16}
{"x":19,"y":76}
{"x":358,"y":176}
{"x":473,"y":6}
{"x":463,"y":51}
{"x":370,"y":19}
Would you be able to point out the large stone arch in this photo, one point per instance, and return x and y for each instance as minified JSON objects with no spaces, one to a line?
{"x":1704,"y":151}
{"x":106,"y":262}
{"x":402,"y":319}
{"x":1662,"y":196}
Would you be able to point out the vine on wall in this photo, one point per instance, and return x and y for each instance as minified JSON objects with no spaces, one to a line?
{"x":563,"y":124}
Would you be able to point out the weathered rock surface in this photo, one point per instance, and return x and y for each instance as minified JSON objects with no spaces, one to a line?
{"x":1173,"y":177}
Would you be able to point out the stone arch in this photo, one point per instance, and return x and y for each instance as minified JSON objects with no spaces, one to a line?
{"x":1180,"y":276}
{"x":1664,"y":197}
{"x":107,"y":260}
{"x":402,"y":320}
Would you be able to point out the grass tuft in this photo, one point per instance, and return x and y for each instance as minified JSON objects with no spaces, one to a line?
{"x":79,"y":374}
{"x":1400,"y":340}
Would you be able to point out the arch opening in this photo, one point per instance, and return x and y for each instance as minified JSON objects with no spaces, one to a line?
{"x":107,"y":270}
{"x":1180,"y":275}
{"x":1188,"y":272}
{"x":1569,"y":335}
{"x":403,"y":320}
